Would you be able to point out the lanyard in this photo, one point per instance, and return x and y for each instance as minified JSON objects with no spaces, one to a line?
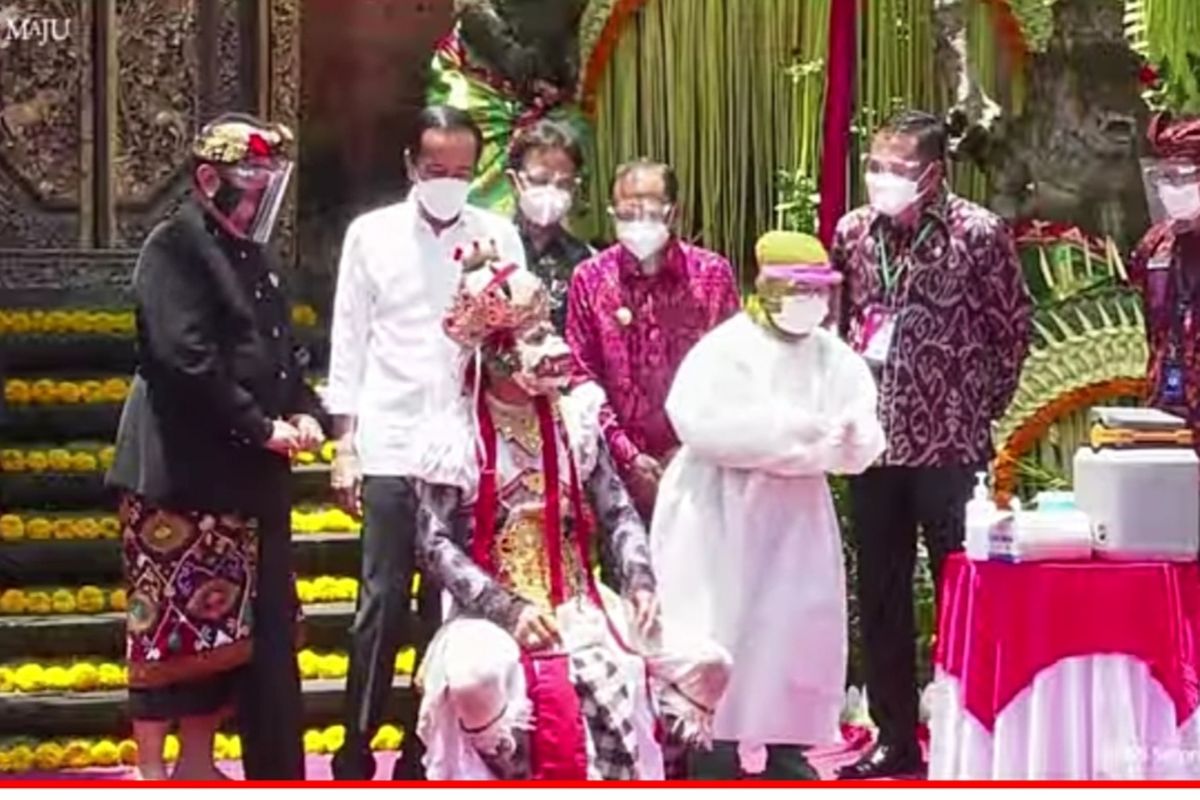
{"x":1184,"y":299}
{"x":891,"y":278}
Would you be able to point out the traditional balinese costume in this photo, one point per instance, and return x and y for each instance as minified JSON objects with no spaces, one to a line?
{"x":745,"y":539}
{"x":205,"y":504}
{"x":520,"y":493}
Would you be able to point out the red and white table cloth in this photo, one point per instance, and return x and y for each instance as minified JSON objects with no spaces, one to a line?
{"x":1061,"y":671}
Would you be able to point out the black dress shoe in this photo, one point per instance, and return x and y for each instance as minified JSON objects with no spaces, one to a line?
{"x":788,"y":763}
{"x":884,"y":761}
{"x":409,"y":766}
{"x":353,"y":763}
{"x":718,"y":764}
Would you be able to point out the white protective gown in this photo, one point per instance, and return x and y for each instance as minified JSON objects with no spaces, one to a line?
{"x":745,"y":539}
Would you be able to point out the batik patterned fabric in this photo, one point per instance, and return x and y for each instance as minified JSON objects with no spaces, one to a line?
{"x":962,"y":322}
{"x":191,"y":580}
{"x":629,"y":333}
{"x":495,"y":107}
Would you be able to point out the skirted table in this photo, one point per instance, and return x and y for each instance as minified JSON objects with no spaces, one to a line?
{"x":1066,"y":670}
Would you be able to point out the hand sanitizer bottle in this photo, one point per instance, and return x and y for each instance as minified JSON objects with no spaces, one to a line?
{"x":981,"y":514}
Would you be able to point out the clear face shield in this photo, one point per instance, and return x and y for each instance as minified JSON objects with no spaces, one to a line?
{"x":251,"y":197}
{"x":1172,"y":188}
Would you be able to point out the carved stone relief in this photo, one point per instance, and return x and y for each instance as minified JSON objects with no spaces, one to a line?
{"x":42,"y":104}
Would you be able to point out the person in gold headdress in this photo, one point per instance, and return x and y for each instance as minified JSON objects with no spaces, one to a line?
{"x":541,"y":672}
{"x":745,"y":539}
{"x":218,"y":406}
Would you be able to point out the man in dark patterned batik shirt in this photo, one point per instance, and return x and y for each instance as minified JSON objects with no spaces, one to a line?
{"x":543,"y":165}
{"x":935,"y":300}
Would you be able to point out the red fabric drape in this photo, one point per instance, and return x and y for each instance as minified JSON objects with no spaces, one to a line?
{"x":839,"y":106}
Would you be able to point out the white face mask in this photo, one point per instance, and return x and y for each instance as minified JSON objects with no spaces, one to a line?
{"x":442,"y":198}
{"x":1181,"y":202}
{"x":643,"y":238}
{"x":889,"y":194}
{"x":801,"y":314}
{"x":544,"y":205}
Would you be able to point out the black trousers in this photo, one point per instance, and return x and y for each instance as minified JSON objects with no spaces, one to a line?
{"x":383,"y":622}
{"x":889,"y":506}
{"x":270,"y":706}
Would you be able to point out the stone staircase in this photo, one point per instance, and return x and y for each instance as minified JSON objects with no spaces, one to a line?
{"x":67,"y":343}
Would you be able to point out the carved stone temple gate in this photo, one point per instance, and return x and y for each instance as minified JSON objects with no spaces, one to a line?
{"x":97,"y":116}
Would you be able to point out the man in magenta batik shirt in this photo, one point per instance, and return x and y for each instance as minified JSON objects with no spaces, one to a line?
{"x":634,"y":311}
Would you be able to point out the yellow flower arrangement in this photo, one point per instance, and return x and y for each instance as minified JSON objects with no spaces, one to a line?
{"x":48,"y":756}
{"x":39,"y":529}
{"x":57,"y":678}
{"x":128,"y":752}
{"x":77,"y":754}
{"x":111,"y":676}
{"x":64,"y":529}
{"x":90,"y":599}
{"x":84,"y":753}
{"x":117,"y":601}
{"x":84,"y":462}
{"x":84,"y":677}
{"x":44,"y":391}
{"x":110,"y":528}
{"x":304,"y":316}
{"x":12,"y":602}
{"x":69,"y":393}
{"x":406,"y":661}
{"x":12,"y":461}
{"x":61,"y":321}
{"x":20,"y":758}
{"x":62,"y":602}
{"x":105,"y":753}
{"x":387,"y":738}
{"x":29,"y":678}
{"x":12,"y":528}
{"x":38,"y":603}
{"x":16,"y":392}
{"x":86,"y":528}
{"x":327,"y":520}
{"x":57,"y":460}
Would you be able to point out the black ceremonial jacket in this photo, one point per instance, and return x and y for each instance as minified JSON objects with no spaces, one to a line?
{"x":216,"y":364}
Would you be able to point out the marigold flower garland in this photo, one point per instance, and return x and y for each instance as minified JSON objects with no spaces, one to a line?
{"x":1033,"y":429}
{"x":46,"y":392}
{"x":94,"y":676}
{"x":104,"y":322}
{"x":15,"y":527}
{"x":58,"y":459}
{"x":44,"y":602}
{"x":22,"y":756}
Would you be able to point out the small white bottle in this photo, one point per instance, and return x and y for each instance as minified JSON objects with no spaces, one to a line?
{"x":981,"y":514}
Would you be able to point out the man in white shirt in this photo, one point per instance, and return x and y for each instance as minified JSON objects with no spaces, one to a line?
{"x":390,"y":370}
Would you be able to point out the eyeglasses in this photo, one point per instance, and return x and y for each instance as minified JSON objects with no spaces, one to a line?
{"x":643,"y":211}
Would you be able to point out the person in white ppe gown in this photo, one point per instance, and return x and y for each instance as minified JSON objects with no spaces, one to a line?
{"x":745,"y":539}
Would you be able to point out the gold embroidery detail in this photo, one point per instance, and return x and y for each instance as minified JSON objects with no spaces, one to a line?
{"x":523,"y":565}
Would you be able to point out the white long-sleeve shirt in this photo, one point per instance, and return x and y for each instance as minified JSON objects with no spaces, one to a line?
{"x":392,"y":364}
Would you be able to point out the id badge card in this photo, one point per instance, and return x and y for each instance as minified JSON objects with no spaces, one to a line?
{"x":878,"y":328}
{"x":1171,"y":389}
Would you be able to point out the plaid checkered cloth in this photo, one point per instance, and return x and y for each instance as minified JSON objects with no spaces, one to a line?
{"x":608,"y":707}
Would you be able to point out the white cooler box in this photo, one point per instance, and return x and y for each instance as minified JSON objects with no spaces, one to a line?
{"x":1143,"y":502}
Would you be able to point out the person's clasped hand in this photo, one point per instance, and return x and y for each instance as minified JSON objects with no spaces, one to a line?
{"x":536,"y":629}
{"x":284,"y":439}
{"x":311,"y":436}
